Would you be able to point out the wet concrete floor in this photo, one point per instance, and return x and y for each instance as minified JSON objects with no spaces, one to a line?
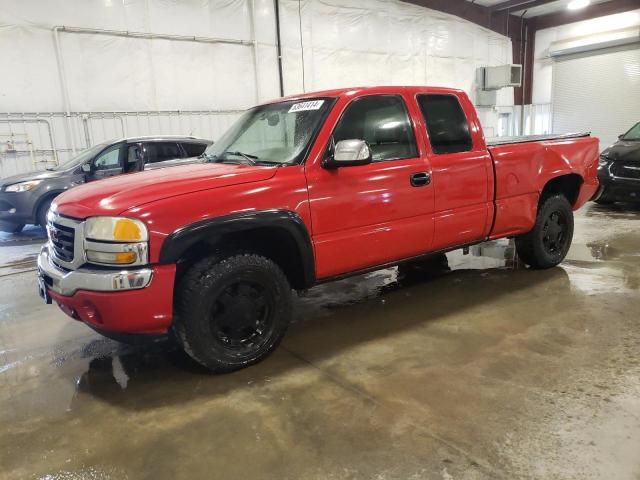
{"x":484,"y":371}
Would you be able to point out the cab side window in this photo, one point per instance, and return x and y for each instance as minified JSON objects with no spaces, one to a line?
{"x":383,"y":122}
{"x":161,"y":151}
{"x":108,"y":160}
{"x":447,"y":124}
{"x":134,"y":158}
{"x":194,"y":149}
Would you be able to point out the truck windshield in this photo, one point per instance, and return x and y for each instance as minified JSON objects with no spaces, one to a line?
{"x":633,"y":134}
{"x":278,"y":133}
{"x":81,"y":158}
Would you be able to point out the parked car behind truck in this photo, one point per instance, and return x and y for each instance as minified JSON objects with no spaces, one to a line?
{"x":298,"y":192}
{"x":26,"y":198}
{"x":619,"y":171}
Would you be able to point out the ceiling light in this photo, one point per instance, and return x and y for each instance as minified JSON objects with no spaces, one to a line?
{"x":578,"y":4}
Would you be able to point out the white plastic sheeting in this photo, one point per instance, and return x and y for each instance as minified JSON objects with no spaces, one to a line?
{"x":344,"y":43}
{"x":378,"y":42}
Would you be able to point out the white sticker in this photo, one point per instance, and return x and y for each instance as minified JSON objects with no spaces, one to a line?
{"x":301,"y":107}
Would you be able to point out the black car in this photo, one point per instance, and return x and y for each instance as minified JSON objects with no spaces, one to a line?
{"x":619,"y":169}
{"x":26,"y":198}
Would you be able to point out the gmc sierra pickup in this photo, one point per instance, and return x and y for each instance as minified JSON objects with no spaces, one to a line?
{"x":297,"y":192}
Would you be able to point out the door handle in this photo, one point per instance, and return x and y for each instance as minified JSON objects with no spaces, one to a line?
{"x":420,"y":179}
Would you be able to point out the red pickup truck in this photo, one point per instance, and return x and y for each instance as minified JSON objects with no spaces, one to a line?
{"x":297,"y":192}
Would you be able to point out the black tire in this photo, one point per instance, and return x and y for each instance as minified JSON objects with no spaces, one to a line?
{"x":43,"y":209}
{"x":232,"y":312}
{"x":9,"y":227}
{"x":603,"y":201}
{"x":548,"y":243}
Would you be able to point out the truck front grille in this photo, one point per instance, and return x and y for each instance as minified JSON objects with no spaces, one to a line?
{"x":62,"y":241}
{"x":626,"y":169}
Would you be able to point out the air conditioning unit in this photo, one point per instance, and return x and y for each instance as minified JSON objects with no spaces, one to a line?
{"x":495,"y":78}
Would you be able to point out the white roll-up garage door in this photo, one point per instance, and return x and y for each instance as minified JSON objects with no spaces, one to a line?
{"x":597,"y":91}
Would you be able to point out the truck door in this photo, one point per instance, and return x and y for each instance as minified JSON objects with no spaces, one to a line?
{"x":461,"y":168}
{"x":368,"y":215}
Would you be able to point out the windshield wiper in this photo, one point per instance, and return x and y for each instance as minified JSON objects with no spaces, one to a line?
{"x":250,"y":159}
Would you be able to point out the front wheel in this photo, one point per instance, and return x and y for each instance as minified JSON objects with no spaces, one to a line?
{"x":232,"y":312}
{"x":43,"y":210}
{"x":547,"y":244}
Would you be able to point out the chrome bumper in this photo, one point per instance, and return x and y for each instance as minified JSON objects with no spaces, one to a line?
{"x":68,"y":282}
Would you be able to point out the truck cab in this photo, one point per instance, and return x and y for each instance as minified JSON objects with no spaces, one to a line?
{"x":300,"y":191}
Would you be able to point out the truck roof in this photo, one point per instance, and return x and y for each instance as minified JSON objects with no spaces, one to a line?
{"x":163,"y":138}
{"x":339,"y":92}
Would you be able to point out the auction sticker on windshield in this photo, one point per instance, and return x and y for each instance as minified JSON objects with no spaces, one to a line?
{"x":303,"y":106}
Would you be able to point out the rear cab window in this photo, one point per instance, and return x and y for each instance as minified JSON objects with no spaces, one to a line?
{"x":447,"y":125}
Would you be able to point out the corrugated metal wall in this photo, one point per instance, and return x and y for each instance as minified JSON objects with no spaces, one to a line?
{"x":597,"y":91}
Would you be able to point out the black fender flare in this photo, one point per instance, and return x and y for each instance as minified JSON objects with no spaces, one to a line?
{"x":179,"y":241}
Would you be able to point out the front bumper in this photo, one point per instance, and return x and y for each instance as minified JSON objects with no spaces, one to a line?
{"x":16,"y":207}
{"x":617,"y":189}
{"x":68,"y":282}
{"x":125,"y":301}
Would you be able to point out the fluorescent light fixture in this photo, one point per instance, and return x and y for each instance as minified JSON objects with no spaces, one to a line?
{"x":578,"y":4}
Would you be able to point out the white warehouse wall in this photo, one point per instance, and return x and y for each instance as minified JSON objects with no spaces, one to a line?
{"x":345,"y":43}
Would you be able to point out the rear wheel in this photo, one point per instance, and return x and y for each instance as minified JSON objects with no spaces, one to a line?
{"x":548,"y":243}
{"x":232,"y":312}
{"x":10,"y":227}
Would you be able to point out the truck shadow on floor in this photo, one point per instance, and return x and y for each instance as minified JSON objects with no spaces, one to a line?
{"x":330,"y":320}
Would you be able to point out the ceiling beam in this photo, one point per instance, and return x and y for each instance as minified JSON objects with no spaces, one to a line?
{"x":517,"y":5}
{"x":592,"y":11}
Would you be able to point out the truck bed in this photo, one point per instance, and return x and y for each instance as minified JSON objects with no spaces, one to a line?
{"x":492,"y":142}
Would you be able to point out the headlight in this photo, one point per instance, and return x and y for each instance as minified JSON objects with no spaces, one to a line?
{"x":116,"y":241}
{"x":115,"y":229}
{"x":603,"y":160}
{"x":23,"y":186}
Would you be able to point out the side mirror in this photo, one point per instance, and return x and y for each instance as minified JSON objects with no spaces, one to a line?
{"x":620,"y":136}
{"x":347,"y":153}
{"x":86,"y":167}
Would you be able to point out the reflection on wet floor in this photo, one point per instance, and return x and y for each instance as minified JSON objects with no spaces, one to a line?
{"x":31,"y":234}
{"x":383,"y":375}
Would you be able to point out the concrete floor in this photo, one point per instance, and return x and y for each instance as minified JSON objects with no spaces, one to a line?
{"x":486,"y":371}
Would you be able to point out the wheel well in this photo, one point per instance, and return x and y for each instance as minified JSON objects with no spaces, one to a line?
{"x":45,"y":198}
{"x":273,"y":243}
{"x":567,"y":185}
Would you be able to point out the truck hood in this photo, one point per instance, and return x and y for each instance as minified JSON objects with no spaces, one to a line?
{"x":113,"y":196}
{"x":623,"y":150}
{"x":24,"y":177}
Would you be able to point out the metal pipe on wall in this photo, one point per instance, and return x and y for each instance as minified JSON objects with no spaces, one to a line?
{"x":252,"y":27}
{"x":279,"y":46}
{"x":149,"y":35}
{"x":63,"y":86}
{"x":38,"y":120}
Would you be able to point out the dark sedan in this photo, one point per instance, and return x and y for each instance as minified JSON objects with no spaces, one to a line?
{"x":26,"y":198}
{"x":619,"y":169}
